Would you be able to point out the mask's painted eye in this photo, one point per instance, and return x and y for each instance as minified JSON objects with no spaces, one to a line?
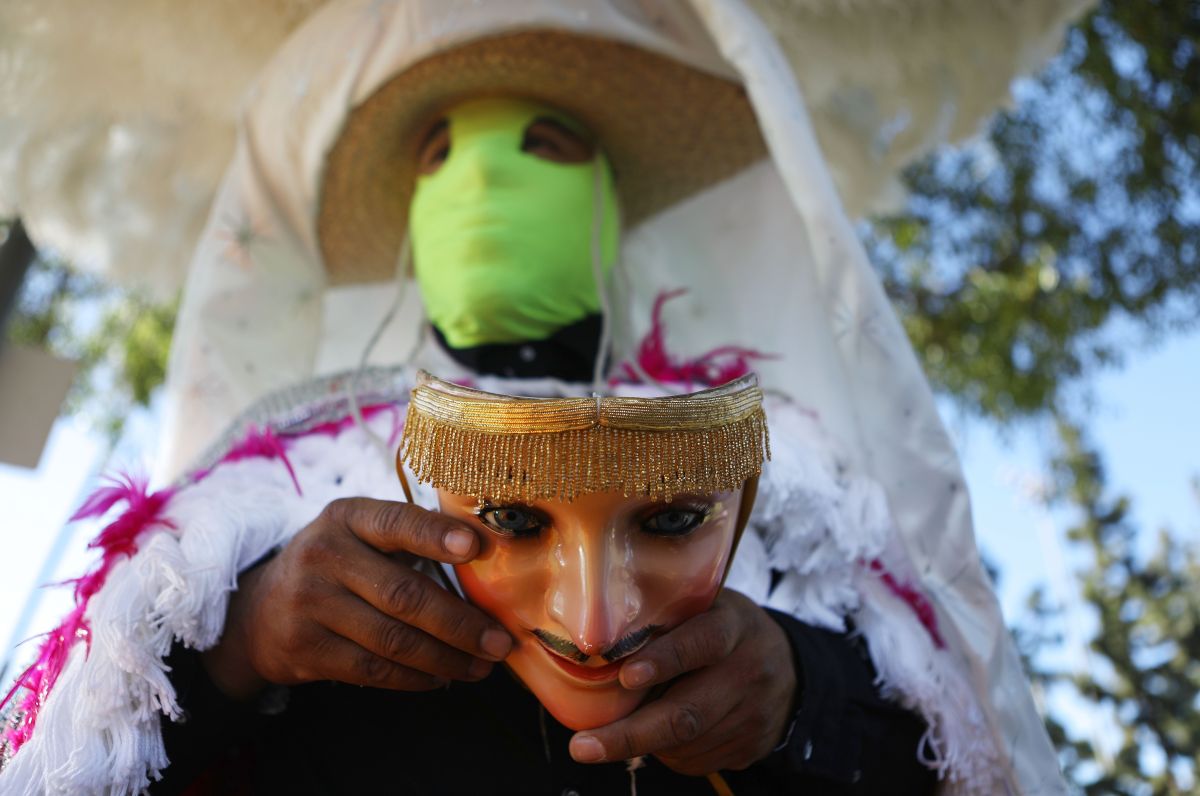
{"x":552,"y":140}
{"x":516,"y":521}
{"x":434,"y":149}
{"x":674,"y":521}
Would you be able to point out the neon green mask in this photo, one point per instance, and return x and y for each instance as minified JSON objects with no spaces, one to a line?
{"x":502,"y":238}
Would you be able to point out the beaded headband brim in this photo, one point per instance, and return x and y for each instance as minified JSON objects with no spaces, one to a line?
{"x":499,"y":447}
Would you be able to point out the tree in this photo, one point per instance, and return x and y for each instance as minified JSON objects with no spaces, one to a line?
{"x":1016,"y":253}
{"x":119,"y":337}
{"x":1149,"y":634}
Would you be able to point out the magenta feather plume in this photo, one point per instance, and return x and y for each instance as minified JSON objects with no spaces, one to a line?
{"x":917,"y":601}
{"x":711,"y":369}
{"x":335,"y":427}
{"x":144,"y":510}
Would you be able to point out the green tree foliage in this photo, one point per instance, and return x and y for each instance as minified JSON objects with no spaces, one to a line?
{"x":1148,"y":637}
{"x":1081,"y":206}
{"x":119,"y":338}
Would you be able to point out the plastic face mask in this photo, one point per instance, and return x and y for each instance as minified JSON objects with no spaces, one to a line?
{"x":502,"y":235}
{"x":581,"y":586}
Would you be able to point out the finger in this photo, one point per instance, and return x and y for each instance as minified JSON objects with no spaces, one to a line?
{"x":394,"y":527}
{"x":409,"y":596}
{"x":350,"y":617}
{"x":703,"y":640}
{"x":731,"y":728}
{"x":347,"y":662}
{"x":735,"y":742}
{"x":685,"y":713}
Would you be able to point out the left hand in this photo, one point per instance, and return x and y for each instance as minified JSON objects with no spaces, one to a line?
{"x":730,"y":707}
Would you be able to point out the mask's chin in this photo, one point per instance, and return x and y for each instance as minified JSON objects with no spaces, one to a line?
{"x":575,"y":701}
{"x":579,"y":716}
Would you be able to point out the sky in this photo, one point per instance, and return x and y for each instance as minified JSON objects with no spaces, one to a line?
{"x":1143,"y":419}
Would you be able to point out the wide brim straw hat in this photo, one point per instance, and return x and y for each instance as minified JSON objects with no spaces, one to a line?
{"x":668,"y":129}
{"x":112,"y":148}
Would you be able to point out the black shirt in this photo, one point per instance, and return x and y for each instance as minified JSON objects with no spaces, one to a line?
{"x":493,"y":737}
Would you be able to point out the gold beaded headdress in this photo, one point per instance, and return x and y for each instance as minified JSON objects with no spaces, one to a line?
{"x":500,"y":447}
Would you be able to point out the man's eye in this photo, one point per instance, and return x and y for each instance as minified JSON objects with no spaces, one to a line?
{"x":512,"y":521}
{"x":434,"y":149}
{"x":551,"y":140}
{"x":674,"y":522}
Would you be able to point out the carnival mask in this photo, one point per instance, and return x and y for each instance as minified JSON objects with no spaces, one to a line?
{"x":603,"y":522}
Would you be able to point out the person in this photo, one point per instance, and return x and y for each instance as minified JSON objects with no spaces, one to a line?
{"x":473,"y":157}
{"x":681,"y":136}
{"x":513,"y":746}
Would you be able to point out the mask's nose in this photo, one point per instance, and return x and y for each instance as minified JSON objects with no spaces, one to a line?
{"x":593,"y":594}
{"x":482,"y":163}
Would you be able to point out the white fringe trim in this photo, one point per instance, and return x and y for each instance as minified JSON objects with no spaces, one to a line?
{"x":918,"y":675}
{"x":99,"y":731}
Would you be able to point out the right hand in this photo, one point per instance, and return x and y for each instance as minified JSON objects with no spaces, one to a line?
{"x":341,"y":602}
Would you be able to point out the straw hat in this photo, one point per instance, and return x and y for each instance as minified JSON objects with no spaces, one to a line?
{"x":668,"y":129}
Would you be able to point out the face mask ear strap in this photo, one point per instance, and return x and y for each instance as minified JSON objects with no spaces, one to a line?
{"x":749,"y":492}
{"x":408,"y":495}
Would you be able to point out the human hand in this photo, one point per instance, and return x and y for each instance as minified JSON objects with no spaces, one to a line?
{"x":342,"y":602}
{"x":730,"y":706}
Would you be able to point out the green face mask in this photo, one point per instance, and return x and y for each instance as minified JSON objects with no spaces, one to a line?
{"x":502,"y":238}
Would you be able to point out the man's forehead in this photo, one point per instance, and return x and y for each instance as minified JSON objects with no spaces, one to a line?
{"x":490,"y":108}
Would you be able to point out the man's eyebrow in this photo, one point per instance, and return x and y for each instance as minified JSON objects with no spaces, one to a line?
{"x":567,"y":126}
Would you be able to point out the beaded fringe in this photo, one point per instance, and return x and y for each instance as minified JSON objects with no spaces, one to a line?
{"x":563,"y":464}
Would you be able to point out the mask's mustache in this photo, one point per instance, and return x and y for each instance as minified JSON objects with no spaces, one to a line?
{"x":623,"y":648}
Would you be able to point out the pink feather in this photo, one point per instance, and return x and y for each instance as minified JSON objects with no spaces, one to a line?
{"x":144,"y":510}
{"x":918,"y":602}
{"x":335,"y":427}
{"x":711,"y":369}
{"x":264,"y":443}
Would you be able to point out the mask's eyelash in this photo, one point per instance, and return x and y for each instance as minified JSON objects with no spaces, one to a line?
{"x":703,"y":508}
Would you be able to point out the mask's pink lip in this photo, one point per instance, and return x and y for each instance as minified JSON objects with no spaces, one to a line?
{"x":592,"y":674}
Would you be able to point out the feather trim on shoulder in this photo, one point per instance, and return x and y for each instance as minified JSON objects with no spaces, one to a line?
{"x":827,"y":532}
{"x":99,"y":729}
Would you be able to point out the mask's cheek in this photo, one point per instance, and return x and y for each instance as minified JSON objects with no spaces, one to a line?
{"x":509,"y":581}
{"x":680,"y":578}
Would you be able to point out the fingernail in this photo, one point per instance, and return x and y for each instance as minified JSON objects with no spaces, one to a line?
{"x":586,"y":749}
{"x":638,"y":674}
{"x":458,"y":541}
{"x":496,"y":643}
{"x":479,"y":669}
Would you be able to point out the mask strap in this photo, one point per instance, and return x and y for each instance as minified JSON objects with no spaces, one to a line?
{"x":598,"y":206}
{"x":749,"y":493}
{"x":408,"y":495}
